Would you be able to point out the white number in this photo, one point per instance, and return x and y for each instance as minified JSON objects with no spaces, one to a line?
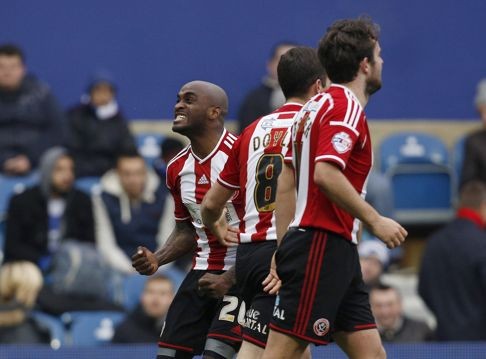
{"x":231,"y":306}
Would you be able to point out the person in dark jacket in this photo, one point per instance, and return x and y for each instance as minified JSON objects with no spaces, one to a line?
{"x":452,"y":278}
{"x":31,"y":121}
{"x":20,"y":283}
{"x":143,"y":325}
{"x":268,"y":96}
{"x":129,"y":211}
{"x":41,"y":217}
{"x":393,"y":325}
{"x":474,"y":163}
{"x":97,"y":130}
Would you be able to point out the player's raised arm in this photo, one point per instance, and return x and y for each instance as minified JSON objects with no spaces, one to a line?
{"x":180,"y":242}
{"x":213,"y":214}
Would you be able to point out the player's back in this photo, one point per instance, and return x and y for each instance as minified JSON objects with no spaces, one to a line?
{"x":188,"y":179}
{"x":253,"y":168}
{"x":331,"y":128}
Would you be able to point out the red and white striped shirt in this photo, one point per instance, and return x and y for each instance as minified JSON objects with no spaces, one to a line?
{"x":253,"y":168}
{"x":331,"y":127}
{"x":188,"y":179}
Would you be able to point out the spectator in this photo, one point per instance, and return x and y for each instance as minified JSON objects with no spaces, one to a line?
{"x":98,"y":132}
{"x":20,"y":283}
{"x":452,"y":278}
{"x":393,"y":325}
{"x":30,"y":118}
{"x":474,"y":164}
{"x":43,"y":216}
{"x":128,"y":211}
{"x":169,"y":148}
{"x":144,"y":324}
{"x":373,"y":257}
{"x":268,"y":96}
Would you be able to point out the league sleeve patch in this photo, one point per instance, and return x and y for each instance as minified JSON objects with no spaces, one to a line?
{"x":341,"y":142}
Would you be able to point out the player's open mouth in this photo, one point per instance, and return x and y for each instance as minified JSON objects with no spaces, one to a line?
{"x":180,"y":117}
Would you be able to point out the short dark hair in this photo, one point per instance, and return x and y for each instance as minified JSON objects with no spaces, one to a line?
{"x":298,"y":69}
{"x":384,"y":287}
{"x":171,"y":145}
{"x":472,"y":194}
{"x":12,"y":50}
{"x":345,"y":44}
{"x":128,"y":153}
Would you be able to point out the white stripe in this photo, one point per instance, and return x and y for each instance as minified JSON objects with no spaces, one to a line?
{"x":181,"y":219}
{"x":227,"y":184}
{"x":227,"y":144}
{"x":230,"y":139}
{"x":352,"y":119}
{"x":232,"y":136}
{"x":348,"y":109}
{"x":343,"y":164}
{"x":338,"y":123}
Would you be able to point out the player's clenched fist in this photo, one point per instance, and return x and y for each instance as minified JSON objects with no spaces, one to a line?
{"x":144,"y":261}
{"x":389,"y":232}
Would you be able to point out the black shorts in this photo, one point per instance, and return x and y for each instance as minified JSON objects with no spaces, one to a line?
{"x":193,"y":317}
{"x":252,"y":267}
{"x":322,"y":287}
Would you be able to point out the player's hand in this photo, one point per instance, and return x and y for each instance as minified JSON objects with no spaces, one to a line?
{"x":214,"y":285}
{"x":226,"y":235}
{"x":144,"y":261}
{"x":389,"y":232}
{"x":272,"y":282}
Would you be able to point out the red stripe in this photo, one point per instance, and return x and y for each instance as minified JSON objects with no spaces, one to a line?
{"x":172,"y":346}
{"x":247,"y":338}
{"x":222,"y":336}
{"x":292,"y":334}
{"x":317,"y":270}
{"x":303,"y":301}
{"x":365,"y":326}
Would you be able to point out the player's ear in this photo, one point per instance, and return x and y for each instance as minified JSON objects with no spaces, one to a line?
{"x":365,"y":65}
{"x":214,"y":112}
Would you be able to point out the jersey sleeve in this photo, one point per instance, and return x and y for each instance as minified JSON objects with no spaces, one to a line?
{"x":287,"y":150}
{"x":180,"y":211}
{"x":229,"y":177}
{"x":337,"y":137}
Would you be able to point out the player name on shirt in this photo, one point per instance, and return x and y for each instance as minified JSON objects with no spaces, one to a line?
{"x":253,"y":168}
{"x":188,"y":179}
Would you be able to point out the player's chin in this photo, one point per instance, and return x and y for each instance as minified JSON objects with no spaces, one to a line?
{"x":181,"y":128}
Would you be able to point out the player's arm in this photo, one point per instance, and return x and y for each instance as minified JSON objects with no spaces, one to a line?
{"x":217,"y":285}
{"x":338,"y":189}
{"x":285,"y":200}
{"x":181,"y":241}
{"x":213,"y":214}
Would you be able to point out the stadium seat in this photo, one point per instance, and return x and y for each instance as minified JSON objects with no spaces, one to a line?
{"x":89,"y":185}
{"x":148,"y":145}
{"x":421,"y":176}
{"x":55,"y":326}
{"x":91,"y":328}
{"x":132,"y":288}
{"x":10,"y":185}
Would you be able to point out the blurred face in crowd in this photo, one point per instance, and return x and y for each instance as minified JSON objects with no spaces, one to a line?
{"x":133,"y":175}
{"x":157,"y":297}
{"x":12,"y":71}
{"x":63,"y":175}
{"x":273,"y":62}
{"x":386,"y":306}
{"x":101,"y":94}
{"x":371,"y":268}
{"x":482,"y":112}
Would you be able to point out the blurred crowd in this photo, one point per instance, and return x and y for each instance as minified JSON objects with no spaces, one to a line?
{"x":67,"y":249}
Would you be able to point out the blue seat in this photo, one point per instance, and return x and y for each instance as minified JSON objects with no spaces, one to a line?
{"x":132,"y":289}
{"x":55,"y":326}
{"x":148,"y":145}
{"x":10,"y":185}
{"x":421,"y":176}
{"x":458,"y":156}
{"x":91,"y":328}
{"x":89,"y":185}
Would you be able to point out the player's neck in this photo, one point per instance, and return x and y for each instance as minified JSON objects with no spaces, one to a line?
{"x":298,"y":100}
{"x":358,"y":87}
{"x":202,"y":145}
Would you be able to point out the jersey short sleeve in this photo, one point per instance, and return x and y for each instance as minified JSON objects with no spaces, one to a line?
{"x":337,"y":138}
{"x":230,"y":175}
{"x":287,"y":152}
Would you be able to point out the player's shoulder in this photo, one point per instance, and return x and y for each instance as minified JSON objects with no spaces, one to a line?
{"x":178,"y":160}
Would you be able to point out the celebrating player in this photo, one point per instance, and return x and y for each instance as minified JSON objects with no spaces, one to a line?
{"x":252,"y":168}
{"x":199,"y":115}
{"x":323,"y":293}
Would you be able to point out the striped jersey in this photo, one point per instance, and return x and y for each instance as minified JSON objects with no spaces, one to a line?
{"x":188,"y":179}
{"x":253,"y":168}
{"x":331,"y":127}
